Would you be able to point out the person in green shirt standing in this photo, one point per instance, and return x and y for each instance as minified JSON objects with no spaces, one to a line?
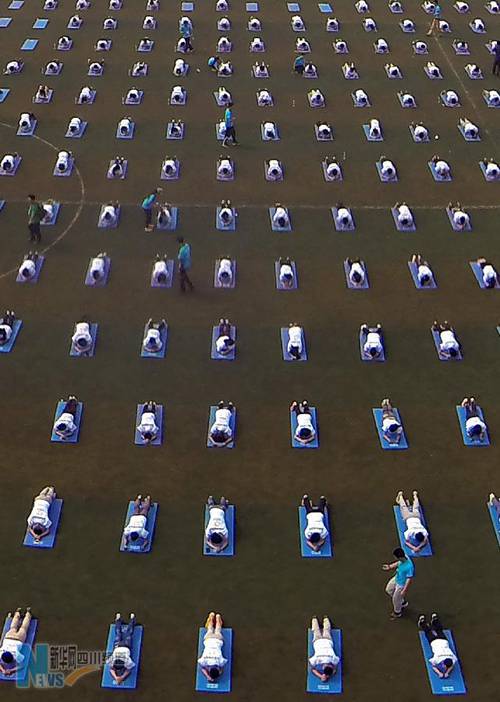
{"x":35,"y":215}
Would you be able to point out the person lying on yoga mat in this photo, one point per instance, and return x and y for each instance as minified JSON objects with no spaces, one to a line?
{"x":220,"y":431}
{"x":459,"y":216}
{"x":11,"y":645}
{"x":416,"y":535}
{"x":38,"y":521}
{"x":449,"y":347}
{"x":372,"y":340}
{"x":212,"y":661}
{"x":120,"y":661}
{"x":110,"y":213}
{"x":475,"y":428}
{"x":490,"y":275}
{"x":148,"y":428}
{"x":404,"y":215}
{"x":443,"y":659}
{"x":225,"y":271}
{"x":216,"y":532}
{"x":305,"y":431}
{"x":286,"y":275}
{"x":316,"y":531}
{"x":65,"y":426}
{"x":391,"y":426}
{"x":152,"y":341}
{"x":324,"y":662}
{"x":135,"y":532}
{"x":494,"y":502}
{"x":356,"y":271}
{"x":82,"y":338}
{"x":27,"y":269}
{"x":424,"y":272}
{"x":294,"y":346}
{"x":224,"y":343}
{"x":6,"y":326}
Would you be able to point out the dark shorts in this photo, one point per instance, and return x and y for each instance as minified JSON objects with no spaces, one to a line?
{"x":34,"y":228}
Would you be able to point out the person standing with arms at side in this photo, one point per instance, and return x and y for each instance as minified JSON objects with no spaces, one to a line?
{"x":435,"y":20}
{"x":229,"y":122}
{"x":398,"y":585}
{"x":184,"y":259}
{"x":186,"y":31}
{"x":496,"y":59}
{"x":147,"y":206}
{"x":35,"y":215}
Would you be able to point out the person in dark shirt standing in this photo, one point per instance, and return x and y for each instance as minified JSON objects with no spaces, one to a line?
{"x":35,"y":215}
{"x":496,"y":59}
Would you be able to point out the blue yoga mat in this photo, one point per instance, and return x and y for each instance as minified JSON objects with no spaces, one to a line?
{"x":130,"y":683}
{"x":467,"y":228}
{"x":55,"y":215}
{"x":158,"y":354}
{"x":494,"y":520}
{"x":279,"y":286}
{"x":288,"y":228}
{"x":402,"y":444}
{"x":436,"y":177}
{"x":2,"y":204}
{"x":29,"y":44}
{"x":334,"y":685}
{"x":187,"y":6}
{"x":232,"y":424}
{"x":157,"y":441}
{"x":466,"y":439}
{"x":314,"y":444}
{"x":73,"y":439}
{"x":379,"y":171}
{"x":413,"y":270}
{"x":326,"y":551}
{"x":293,"y":6}
{"x":170,"y":276}
{"x":338,"y":227}
{"x":284,"y":345}
{"x":38,"y":265}
{"x":114,"y":224}
{"x":9,"y":345}
{"x":232,"y":225}
{"x":16,"y":4}
{"x":94,"y":328}
{"x":4,"y":93}
{"x":30,"y":131}
{"x":223,"y":683}
{"x":172,"y":226}
{"x":222,"y":357}
{"x":49,"y":540}
{"x":437,"y":340}
{"x":325,"y":7}
{"x":229,"y":550}
{"x":26,"y":650}
{"x":400,"y":228}
{"x":40,"y":23}
{"x":102,"y":281}
{"x":252,"y":6}
{"x":454,"y":684}
{"x":217,"y":283}
{"x":4,"y":22}
{"x":130,"y":135}
{"x":366,"y":129}
{"x":366,"y":283}
{"x":150,"y":527}
{"x":369,"y":359}
{"x":401,"y":527}
{"x":478,"y":274}
{"x":79,"y":134}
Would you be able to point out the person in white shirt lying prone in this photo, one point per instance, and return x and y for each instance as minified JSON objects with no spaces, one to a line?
{"x":216,"y":531}
{"x":344,"y":217}
{"x":86,"y":94}
{"x":152,"y":341}
{"x":220,"y":431}
{"x":404,"y":215}
{"x":38,"y":520}
{"x":110,"y":213}
{"x":120,"y":661}
{"x":160,"y":269}
{"x":470,"y":130}
{"x":372,"y":339}
{"x":294,"y":345}
{"x":63,"y":162}
{"x":492,"y":97}
{"x":424,"y":272}
{"x":8,"y":162}
{"x":27,"y":269}
{"x":280,"y":216}
{"x":332,"y":167}
{"x":324,"y":662}
{"x":461,"y":219}
{"x":117,"y":167}
{"x":212,"y":661}
{"x":135,"y":532}
{"x":225,"y":272}
{"x":147,"y":428}
{"x":441,"y":167}
{"x":475,"y":428}
{"x":491,"y":168}
{"x":82,"y":340}
{"x":416,"y":535}
{"x":407,"y":99}
{"x":443,"y":659}
{"x":264,"y":98}
{"x":391,"y":426}
{"x":316,"y":531}
{"x":286,"y":273}
{"x":449,"y":346}
{"x":387,"y":169}
{"x":374,"y":129}
{"x":420,"y":131}
{"x":6,"y":326}
{"x":224,"y":343}
{"x":98,"y":266}
{"x":26,"y":121}
{"x":324,"y":130}
{"x":356,"y":273}
{"x":65,"y":426}
{"x":490,"y":275}
{"x":305,"y":431}
{"x":12,"y":642}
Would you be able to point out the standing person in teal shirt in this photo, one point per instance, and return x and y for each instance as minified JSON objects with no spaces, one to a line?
{"x":436,"y":17}
{"x":147,"y":206}
{"x":229,"y":122}
{"x":186,"y":30}
{"x":398,"y":585}
{"x":184,"y":261}
{"x":299,"y":65}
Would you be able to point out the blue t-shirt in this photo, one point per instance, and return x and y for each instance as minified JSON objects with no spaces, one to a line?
{"x":184,"y":256}
{"x":437,"y":11}
{"x":228,"y":118}
{"x":148,"y":201}
{"x":405,"y":570}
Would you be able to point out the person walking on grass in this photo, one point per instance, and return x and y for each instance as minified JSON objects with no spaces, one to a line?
{"x":436,"y":17}
{"x":398,"y":585}
{"x":35,"y":215}
{"x":496,"y":59}
{"x":147,"y":205}
{"x":229,"y":123}
{"x":184,"y":261}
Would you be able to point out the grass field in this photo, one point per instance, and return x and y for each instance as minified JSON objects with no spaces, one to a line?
{"x":267,"y":593}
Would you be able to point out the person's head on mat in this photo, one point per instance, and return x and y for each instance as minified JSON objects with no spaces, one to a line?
{"x":134,"y":536}
{"x":419,"y":537}
{"x":216,"y":538}
{"x":38,"y":529}
{"x":315,"y":537}
{"x":214,"y":672}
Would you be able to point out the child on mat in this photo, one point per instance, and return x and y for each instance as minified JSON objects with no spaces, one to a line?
{"x":324,"y":662}
{"x":212,"y":661}
{"x":38,"y":521}
{"x":13,"y":640}
{"x":490,"y":276}
{"x":286,"y":275}
{"x":224,"y":343}
{"x":305,"y":431}
{"x":416,"y":535}
{"x":216,"y":532}
{"x":449,"y":347}
{"x":148,"y":428}
{"x":294,"y":346}
{"x":372,"y":340}
{"x":316,"y":532}
{"x":152,"y":341}
{"x":443,"y":659}
{"x":424,"y":272}
{"x":27,"y":269}
{"x":135,"y":532}
{"x":220,"y":431}
{"x":120,"y":662}
{"x":6,"y":326}
{"x":475,"y":428}
{"x":65,"y":426}
{"x":391,"y":426}
{"x":82,"y":338}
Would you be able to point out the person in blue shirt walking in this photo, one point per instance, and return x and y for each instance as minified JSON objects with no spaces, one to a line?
{"x":398,"y":585}
{"x":186,"y":30}
{"x":435,"y":20}
{"x":147,"y":205}
{"x":229,"y":122}
{"x":184,"y":262}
